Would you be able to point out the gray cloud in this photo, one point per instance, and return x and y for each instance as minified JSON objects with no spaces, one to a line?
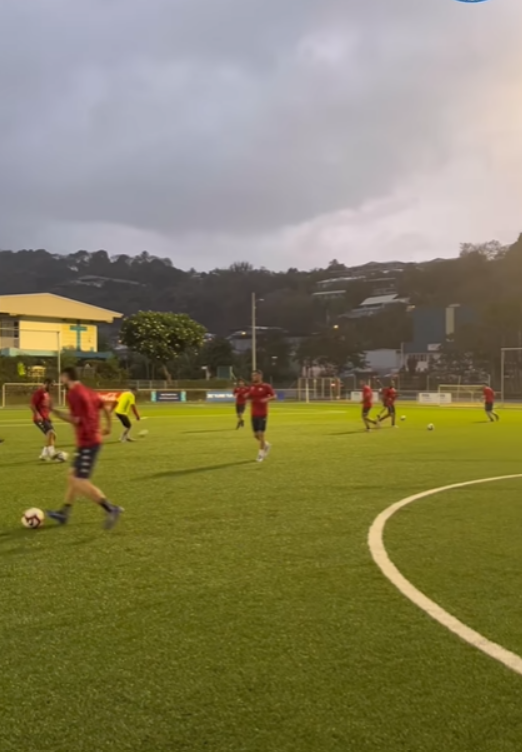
{"x":227,"y":117}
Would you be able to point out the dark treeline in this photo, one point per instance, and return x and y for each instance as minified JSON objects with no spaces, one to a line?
{"x":487,"y":277}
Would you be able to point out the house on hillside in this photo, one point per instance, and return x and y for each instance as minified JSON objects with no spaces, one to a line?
{"x":432,"y":327}
{"x":376,"y":304}
{"x":42,"y":324}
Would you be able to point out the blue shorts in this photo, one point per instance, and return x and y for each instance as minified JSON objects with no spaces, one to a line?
{"x":45,"y":426}
{"x":259,"y":425}
{"x":85,"y":461}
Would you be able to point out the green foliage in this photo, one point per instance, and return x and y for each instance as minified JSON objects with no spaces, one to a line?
{"x":161,"y":337}
{"x":334,"y":347}
{"x":486,"y":277}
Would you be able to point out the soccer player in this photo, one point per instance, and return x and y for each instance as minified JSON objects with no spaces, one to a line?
{"x":489,"y":404}
{"x":240,"y":393}
{"x":125,"y":404}
{"x":391,"y":397}
{"x":41,"y":409}
{"x":85,"y":407}
{"x":260,"y":394}
{"x":367,"y":404}
{"x":384,"y":403}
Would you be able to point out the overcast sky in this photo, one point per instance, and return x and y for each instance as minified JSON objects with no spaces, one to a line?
{"x":282,"y":132}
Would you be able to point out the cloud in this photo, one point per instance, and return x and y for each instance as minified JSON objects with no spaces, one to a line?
{"x":222,"y":125}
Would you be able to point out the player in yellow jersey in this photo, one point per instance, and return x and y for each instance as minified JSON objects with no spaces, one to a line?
{"x":122,"y":409}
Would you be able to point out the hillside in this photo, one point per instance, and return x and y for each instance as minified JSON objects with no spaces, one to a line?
{"x":487,"y":277}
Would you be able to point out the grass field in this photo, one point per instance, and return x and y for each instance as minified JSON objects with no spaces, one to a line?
{"x":237,"y":608}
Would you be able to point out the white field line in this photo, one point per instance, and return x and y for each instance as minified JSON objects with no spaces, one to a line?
{"x":388,"y":568}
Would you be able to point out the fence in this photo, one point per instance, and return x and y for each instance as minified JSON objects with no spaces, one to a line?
{"x":19,"y":395}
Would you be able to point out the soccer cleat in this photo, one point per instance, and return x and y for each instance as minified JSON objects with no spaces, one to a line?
{"x":112,"y":517}
{"x":268,"y":447}
{"x":58,"y":517}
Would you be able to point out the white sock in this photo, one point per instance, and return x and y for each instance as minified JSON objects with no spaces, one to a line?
{"x":51,"y":451}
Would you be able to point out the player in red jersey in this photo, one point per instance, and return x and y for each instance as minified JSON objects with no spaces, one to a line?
{"x":241,"y":395}
{"x":367,"y":404}
{"x":391,"y":397}
{"x":41,"y":408}
{"x":489,"y":404}
{"x":260,"y":394}
{"x":85,"y":407}
{"x":383,"y":393}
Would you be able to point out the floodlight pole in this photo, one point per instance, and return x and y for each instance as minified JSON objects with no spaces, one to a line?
{"x":502,"y":355}
{"x":254,"y":338}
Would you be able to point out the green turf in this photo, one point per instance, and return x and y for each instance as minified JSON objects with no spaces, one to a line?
{"x":237,"y":608}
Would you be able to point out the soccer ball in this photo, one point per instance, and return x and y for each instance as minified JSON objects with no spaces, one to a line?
{"x":403,"y":417}
{"x":33,"y":518}
{"x":142,"y":434}
{"x":62,"y":456}
{"x":430,"y":427}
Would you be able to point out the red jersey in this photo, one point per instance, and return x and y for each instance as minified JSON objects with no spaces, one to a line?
{"x":391,"y":396}
{"x":85,"y":406}
{"x":41,"y":402}
{"x":367,"y":396}
{"x":489,"y":394}
{"x":258,"y":394}
{"x":241,"y":394}
{"x":384,"y":396}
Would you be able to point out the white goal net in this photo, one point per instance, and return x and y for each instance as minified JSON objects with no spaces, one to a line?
{"x":19,"y":394}
{"x":463,"y":394}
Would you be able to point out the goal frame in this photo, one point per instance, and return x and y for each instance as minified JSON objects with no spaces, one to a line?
{"x":466,"y":388}
{"x":503,"y":351}
{"x":30,"y":386}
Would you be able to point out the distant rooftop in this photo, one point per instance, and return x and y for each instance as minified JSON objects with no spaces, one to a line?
{"x":382,"y":300}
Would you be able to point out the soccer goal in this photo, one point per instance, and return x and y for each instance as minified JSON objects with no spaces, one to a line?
{"x":19,"y":394}
{"x":323,"y":388}
{"x":511,"y":375}
{"x":462,"y":394}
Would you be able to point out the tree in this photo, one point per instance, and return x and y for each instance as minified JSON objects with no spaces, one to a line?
{"x":161,"y":337}
{"x":490,"y":250}
{"x":214,"y":353}
{"x":335,"y":349}
{"x":464,"y":355}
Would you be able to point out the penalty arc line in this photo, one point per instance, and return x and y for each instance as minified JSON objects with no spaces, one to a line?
{"x":390,"y":571}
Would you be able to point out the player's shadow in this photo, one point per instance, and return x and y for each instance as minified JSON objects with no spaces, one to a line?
{"x":348,"y":433}
{"x":16,"y":535}
{"x":209,"y":430}
{"x":194,"y":470}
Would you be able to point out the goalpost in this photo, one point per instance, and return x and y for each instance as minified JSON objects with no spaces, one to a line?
{"x":320,"y":389}
{"x":462,"y":394}
{"x":511,"y":374}
{"x":19,"y":394}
